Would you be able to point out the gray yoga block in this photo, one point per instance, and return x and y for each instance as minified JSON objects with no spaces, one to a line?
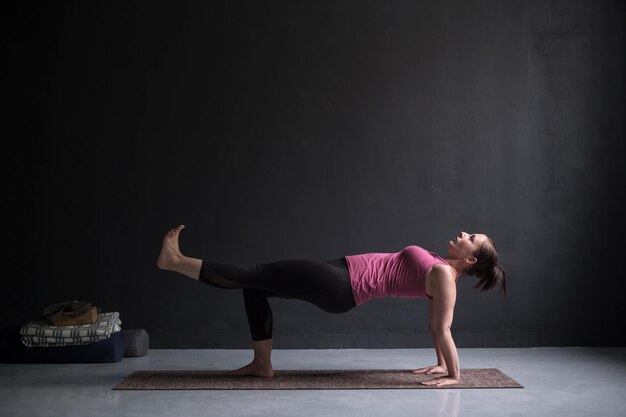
{"x":136,"y":342}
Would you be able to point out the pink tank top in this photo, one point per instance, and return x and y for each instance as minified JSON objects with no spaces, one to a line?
{"x":399,"y":274}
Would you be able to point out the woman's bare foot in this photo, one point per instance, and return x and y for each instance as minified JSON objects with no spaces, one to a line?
{"x":170,"y":252}
{"x":254,"y":369}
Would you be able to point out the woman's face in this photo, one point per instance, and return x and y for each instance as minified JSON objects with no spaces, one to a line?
{"x":465,"y":245}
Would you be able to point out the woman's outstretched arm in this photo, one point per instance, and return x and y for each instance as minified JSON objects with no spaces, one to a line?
{"x":441,"y":315}
{"x":441,"y":362}
{"x":441,"y":367}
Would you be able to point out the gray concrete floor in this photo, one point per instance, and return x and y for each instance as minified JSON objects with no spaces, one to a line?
{"x":557,"y":382}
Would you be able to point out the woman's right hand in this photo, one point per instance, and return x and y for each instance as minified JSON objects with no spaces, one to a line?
{"x":429,"y":370}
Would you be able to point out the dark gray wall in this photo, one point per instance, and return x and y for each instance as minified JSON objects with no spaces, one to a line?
{"x":316,"y":129}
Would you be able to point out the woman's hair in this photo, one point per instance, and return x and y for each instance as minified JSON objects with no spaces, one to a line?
{"x":487,"y":268}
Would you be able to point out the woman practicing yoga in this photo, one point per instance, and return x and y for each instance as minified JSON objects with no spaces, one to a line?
{"x":339,"y":285}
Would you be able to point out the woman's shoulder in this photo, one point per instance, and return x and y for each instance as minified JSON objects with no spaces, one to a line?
{"x":443,"y":272}
{"x":444,"y":269}
{"x":441,"y":279}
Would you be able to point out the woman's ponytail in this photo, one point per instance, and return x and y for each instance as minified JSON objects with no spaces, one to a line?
{"x":489,"y":272}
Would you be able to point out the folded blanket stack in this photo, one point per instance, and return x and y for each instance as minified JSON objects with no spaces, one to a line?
{"x":45,"y":334}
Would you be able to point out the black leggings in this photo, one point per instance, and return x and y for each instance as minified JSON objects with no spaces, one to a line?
{"x":323,"y":283}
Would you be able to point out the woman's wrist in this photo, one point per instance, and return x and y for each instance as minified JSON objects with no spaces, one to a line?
{"x":454,"y":374}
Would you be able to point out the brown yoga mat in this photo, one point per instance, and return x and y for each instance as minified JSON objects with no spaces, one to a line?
{"x":307,"y":379}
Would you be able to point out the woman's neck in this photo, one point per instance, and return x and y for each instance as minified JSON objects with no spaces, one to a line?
{"x":456,"y":264}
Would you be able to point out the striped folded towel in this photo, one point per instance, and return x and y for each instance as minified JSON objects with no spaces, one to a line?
{"x":44,"y":334}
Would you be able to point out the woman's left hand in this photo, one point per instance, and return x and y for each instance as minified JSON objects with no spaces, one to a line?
{"x":441,"y":381}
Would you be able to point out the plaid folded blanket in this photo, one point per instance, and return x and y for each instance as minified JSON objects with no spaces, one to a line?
{"x":43,"y":334}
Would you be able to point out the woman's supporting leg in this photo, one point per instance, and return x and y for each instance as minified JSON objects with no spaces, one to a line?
{"x":260,"y":321}
{"x":325,"y":284}
{"x":172,"y":259}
